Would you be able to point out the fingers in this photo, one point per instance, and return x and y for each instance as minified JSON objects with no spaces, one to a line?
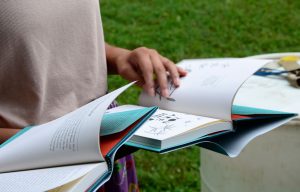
{"x":150,"y":66}
{"x":129,"y":73}
{"x":173,"y":71}
{"x":146,"y":67}
{"x":181,"y":71}
{"x":161,"y":73}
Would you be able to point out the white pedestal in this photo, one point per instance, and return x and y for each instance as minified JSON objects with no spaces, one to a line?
{"x":270,"y":163}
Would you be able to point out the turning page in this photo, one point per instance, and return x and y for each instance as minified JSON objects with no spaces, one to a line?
{"x":71,"y":139}
{"x":209,"y":87}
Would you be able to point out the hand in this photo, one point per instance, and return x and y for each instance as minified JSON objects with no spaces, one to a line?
{"x":148,"y":67}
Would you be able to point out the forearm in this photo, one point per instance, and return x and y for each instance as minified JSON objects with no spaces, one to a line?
{"x":112,"y":54}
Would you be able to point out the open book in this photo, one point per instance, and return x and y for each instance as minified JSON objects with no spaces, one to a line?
{"x":201,"y":110}
{"x":68,"y":154}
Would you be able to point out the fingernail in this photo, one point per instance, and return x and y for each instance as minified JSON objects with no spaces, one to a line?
{"x":183,"y":72}
{"x":165,"y":93}
{"x":177,"y":81}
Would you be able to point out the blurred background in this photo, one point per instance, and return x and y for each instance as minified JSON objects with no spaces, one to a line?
{"x":181,"y":29}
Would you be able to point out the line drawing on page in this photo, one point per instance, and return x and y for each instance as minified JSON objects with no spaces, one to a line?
{"x":163,"y":123}
{"x":171,"y":88}
{"x":166,"y":123}
{"x":207,"y":65}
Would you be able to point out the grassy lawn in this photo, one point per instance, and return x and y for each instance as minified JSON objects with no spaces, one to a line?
{"x":182,"y":29}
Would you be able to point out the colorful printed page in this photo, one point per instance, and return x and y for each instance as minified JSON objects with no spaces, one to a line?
{"x":71,"y":139}
{"x":108,"y":142}
{"x":113,"y":123}
{"x":119,"y":124}
{"x":209,"y":87}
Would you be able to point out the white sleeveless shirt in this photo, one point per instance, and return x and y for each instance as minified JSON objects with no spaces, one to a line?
{"x":52,"y":59}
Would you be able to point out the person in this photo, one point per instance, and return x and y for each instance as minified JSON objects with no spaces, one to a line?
{"x":53,"y":59}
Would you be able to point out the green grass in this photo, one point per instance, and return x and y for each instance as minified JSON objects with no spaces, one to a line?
{"x":182,"y":29}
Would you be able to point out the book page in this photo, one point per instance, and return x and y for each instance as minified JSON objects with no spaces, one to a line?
{"x":115,"y":122}
{"x":209,"y":87}
{"x":71,"y":139}
{"x":233,"y":143}
{"x":126,"y":121}
{"x":166,"y":124}
{"x":46,"y":179}
{"x":273,"y":93}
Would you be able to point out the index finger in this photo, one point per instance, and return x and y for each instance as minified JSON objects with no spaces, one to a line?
{"x":161,"y":74}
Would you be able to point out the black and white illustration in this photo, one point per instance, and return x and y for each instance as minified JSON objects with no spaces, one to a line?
{"x":171,"y":88}
{"x":164,"y":124}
